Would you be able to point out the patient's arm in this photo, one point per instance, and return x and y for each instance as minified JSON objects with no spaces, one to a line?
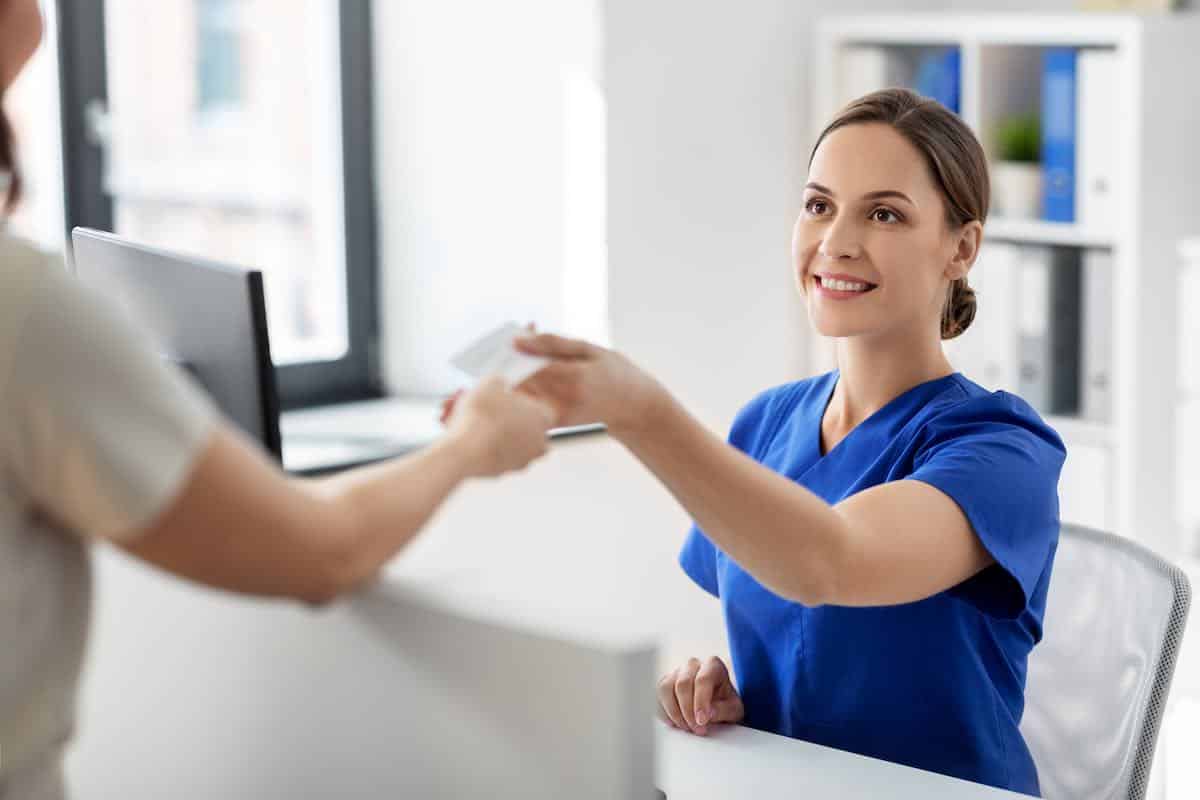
{"x":241,"y":524}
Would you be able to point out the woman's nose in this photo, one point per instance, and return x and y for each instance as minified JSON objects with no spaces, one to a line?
{"x":841,"y":240}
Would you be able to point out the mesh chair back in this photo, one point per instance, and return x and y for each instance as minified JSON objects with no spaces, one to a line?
{"x":1098,"y":680}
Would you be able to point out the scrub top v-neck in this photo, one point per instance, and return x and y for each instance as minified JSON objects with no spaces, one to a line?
{"x":936,"y":684}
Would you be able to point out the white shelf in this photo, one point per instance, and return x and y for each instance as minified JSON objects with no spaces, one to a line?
{"x":1068,"y":30}
{"x":1081,"y":431}
{"x":1155,"y":170}
{"x":1032,"y":231}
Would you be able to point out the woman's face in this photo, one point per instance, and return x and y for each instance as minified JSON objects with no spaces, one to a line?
{"x":872,"y":250}
{"x":20,"y":35}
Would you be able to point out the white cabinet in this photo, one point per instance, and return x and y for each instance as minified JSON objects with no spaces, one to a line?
{"x":1121,"y":472}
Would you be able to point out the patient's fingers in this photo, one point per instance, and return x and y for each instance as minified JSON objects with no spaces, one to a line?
{"x":448,"y":405}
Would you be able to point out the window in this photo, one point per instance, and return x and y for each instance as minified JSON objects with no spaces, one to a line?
{"x":238,"y":130}
{"x":218,"y":55}
{"x":33,"y":110}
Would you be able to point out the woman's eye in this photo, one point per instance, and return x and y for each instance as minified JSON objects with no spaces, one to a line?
{"x":817,"y":207}
{"x":885,"y":215}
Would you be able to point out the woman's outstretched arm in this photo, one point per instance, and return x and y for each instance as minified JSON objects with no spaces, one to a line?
{"x":893,"y":543}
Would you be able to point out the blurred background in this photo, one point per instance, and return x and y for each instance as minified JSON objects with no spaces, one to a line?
{"x":408,"y":173}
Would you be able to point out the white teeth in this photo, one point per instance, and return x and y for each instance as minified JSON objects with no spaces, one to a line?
{"x":843,"y":286}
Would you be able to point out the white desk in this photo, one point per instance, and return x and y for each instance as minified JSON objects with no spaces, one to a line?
{"x":736,"y":762}
{"x":330,"y":438}
{"x":580,"y":548}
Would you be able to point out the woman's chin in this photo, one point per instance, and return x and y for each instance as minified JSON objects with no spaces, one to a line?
{"x":837,"y":328}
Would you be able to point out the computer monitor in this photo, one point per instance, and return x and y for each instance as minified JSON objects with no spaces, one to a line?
{"x":211,"y":318}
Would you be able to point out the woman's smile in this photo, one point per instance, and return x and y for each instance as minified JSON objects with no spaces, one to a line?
{"x":837,"y":286}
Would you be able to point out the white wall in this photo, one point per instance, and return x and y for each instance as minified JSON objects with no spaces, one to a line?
{"x":709,"y":133}
{"x":487,"y":118}
{"x":706,"y":108}
{"x":707,"y":137}
{"x":708,"y":146}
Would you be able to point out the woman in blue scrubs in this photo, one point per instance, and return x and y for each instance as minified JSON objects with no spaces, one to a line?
{"x":880,"y":537}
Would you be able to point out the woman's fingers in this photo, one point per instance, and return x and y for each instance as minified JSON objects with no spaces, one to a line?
{"x":710,"y":680}
{"x":729,"y":709}
{"x":685,"y":687}
{"x":668,"y":702}
{"x":697,"y":695}
{"x":558,"y":384}
{"x":551,"y":346}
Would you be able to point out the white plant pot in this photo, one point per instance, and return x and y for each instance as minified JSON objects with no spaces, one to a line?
{"x":1017,"y":189}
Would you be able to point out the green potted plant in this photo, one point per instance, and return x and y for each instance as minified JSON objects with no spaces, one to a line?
{"x":1017,"y":173}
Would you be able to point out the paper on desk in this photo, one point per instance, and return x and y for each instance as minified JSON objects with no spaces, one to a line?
{"x":494,"y":354}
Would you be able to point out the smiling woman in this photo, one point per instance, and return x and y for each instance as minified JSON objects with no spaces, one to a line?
{"x":955,"y":162}
{"x":880,"y":537}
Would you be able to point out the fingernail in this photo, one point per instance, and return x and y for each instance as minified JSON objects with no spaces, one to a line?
{"x":702,"y":717}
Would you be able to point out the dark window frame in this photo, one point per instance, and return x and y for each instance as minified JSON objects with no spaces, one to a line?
{"x":83,"y":85}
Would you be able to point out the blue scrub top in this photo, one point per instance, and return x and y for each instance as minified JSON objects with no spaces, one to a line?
{"x":936,"y":684}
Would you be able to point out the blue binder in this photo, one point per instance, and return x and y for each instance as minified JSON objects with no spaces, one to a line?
{"x":939,"y":76}
{"x":1058,"y":134}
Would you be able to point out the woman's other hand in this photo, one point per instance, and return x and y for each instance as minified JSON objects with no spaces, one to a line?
{"x":698,"y":695}
{"x":505,"y":430}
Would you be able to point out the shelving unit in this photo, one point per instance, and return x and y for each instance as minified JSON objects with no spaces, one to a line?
{"x":1120,"y":475}
{"x":1028,"y":231}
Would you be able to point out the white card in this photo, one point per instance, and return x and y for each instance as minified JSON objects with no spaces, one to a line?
{"x":494,"y":354}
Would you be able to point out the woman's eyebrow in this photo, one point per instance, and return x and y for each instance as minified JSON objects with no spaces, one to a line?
{"x":877,"y":195}
{"x":882,"y":193}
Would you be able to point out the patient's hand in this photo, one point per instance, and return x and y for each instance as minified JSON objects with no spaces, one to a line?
{"x":503,"y":430}
{"x":698,"y":695}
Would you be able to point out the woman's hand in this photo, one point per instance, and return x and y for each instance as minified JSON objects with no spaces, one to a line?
{"x":697,"y":695}
{"x":588,"y":383}
{"x":504,"y":430}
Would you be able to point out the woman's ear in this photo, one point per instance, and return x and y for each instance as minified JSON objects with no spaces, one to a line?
{"x":968,"y":239}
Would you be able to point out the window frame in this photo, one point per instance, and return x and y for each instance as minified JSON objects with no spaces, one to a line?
{"x":83,"y":86}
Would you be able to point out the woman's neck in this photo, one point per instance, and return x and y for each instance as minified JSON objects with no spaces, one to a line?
{"x":873,"y":372}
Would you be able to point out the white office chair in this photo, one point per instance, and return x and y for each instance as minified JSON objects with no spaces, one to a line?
{"x":1099,"y":679}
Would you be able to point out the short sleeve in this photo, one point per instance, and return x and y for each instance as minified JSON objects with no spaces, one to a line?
{"x":1000,"y":463}
{"x":749,"y":433}
{"x":758,"y":420}
{"x":699,"y":561}
{"x":99,"y":430}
